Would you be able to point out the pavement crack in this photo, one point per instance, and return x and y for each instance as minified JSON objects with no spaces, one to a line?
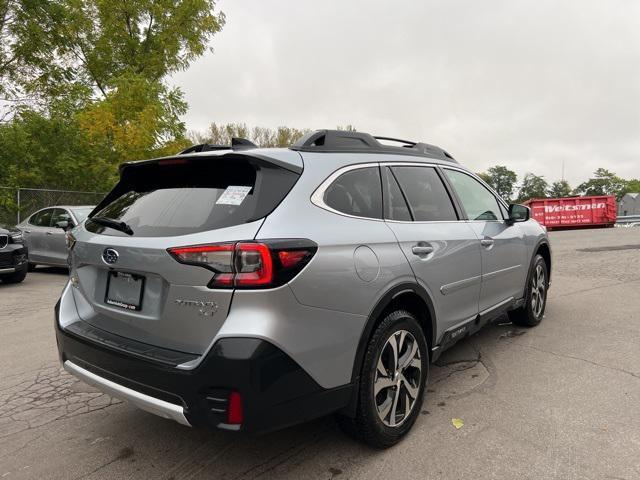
{"x":599,"y":287}
{"x":562,"y":355}
{"x":49,"y":395}
{"x":122,"y":455}
{"x":458,"y":366}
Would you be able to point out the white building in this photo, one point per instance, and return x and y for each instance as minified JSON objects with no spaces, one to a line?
{"x":629,"y":204}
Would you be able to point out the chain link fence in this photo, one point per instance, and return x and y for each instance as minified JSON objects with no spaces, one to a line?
{"x":16,"y":204}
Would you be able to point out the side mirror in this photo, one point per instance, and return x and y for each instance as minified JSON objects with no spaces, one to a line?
{"x":518,"y":213}
{"x":63,"y":224}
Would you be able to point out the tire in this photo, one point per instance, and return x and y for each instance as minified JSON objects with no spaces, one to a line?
{"x":15,"y":277}
{"x":31,"y":266}
{"x":532,"y":312}
{"x":382,"y":419}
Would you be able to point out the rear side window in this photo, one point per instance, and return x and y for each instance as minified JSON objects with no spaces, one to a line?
{"x":183,"y":196}
{"x":427,"y":197}
{"x":357,"y":192}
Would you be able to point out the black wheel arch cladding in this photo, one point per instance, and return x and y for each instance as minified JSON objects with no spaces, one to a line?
{"x":376,"y":316}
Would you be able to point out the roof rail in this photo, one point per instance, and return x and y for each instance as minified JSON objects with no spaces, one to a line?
{"x":236,"y":144}
{"x":359,"y":142}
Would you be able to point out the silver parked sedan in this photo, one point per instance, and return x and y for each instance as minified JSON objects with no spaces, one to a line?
{"x":44,"y":233}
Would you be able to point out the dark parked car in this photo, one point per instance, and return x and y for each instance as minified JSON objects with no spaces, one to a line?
{"x":13,"y":257}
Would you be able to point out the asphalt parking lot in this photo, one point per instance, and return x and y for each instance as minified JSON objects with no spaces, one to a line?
{"x":561,"y":401}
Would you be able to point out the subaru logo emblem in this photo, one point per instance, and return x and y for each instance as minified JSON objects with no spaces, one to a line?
{"x":110,"y":256}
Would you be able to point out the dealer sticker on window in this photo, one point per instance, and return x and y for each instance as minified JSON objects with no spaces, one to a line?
{"x":233,"y":195}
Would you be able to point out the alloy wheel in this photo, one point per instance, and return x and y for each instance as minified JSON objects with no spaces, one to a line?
{"x":538,"y":291}
{"x":397,"y":380}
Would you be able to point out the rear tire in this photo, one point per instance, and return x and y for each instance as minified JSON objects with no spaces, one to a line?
{"x":15,"y":277}
{"x":535,"y":301}
{"x":392,"y":382}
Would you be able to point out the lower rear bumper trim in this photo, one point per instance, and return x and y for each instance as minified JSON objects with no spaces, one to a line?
{"x":145,"y":402}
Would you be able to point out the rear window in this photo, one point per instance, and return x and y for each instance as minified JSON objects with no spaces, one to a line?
{"x":179,"y":197}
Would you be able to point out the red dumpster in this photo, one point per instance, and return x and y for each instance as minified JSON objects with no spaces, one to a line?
{"x":572,"y":212}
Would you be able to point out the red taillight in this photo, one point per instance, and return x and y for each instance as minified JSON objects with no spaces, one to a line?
{"x":249,"y":264}
{"x":253,"y":264}
{"x":215,"y":257}
{"x":234,"y":410}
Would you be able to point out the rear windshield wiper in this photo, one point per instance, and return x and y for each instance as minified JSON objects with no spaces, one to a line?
{"x":111,"y":223}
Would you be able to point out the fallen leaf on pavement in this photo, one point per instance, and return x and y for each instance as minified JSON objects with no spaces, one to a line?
{"x":457,"y":422}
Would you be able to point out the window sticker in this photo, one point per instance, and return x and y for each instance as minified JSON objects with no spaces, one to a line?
{"x":233,"y":195}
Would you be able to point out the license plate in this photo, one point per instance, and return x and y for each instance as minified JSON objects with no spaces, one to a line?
{"x":125,"y":290}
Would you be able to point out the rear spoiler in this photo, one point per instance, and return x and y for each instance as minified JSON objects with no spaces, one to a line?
{"x":283,"y":158}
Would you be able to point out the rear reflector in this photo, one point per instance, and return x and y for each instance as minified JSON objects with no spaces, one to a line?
{"x":234,"y":410}
{"x":265,"y":264}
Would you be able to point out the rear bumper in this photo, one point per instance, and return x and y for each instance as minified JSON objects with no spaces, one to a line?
{"x":275,"y":390}
{"x":140,"y":400}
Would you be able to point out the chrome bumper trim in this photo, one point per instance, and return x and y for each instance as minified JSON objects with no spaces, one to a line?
{"x":145,"y":402}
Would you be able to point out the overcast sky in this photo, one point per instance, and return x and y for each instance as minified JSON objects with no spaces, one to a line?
{"x":527,"y":84}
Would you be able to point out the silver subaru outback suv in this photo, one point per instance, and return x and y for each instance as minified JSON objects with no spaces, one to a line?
{"x":250,"y":289}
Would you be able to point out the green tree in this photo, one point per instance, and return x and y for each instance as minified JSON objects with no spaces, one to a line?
{"x":41,"y":152}
{"x":261,"y":136}
{"x":559,"y":189}
{"x":486,"y":177}
{"x":533,"y":186}
{"x":7,"y":58}
{"x":95,"y":70}
{"x":501,"y":179}
{"x":632,"y":186}
{"x":135,"y":121}
{"x":603,"y":182}
{"x":86,"y":46}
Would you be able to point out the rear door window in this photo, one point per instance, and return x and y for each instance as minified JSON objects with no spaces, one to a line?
{"x":183,"y":196}
{"x":356,"y":192}
{"x":425,"y":193}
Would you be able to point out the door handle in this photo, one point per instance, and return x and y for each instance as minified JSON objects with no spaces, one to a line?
{"x":486,"y":242}
{"x":26,"y":231}
{"x":49,"y":233}
{"x":422,"y":249}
